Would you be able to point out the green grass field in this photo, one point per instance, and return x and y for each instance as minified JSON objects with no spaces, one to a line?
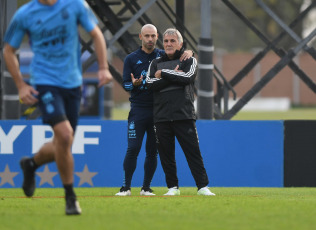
{"x":292,"y":114}
{"x":231,"y":208}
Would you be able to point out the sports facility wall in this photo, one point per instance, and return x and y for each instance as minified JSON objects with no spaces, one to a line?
{"x":236,"y":153}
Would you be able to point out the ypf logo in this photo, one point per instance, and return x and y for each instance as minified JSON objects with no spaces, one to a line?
{"x":42,"y":134}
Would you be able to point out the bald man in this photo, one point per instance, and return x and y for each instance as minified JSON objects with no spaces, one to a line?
{"x":140,"y":118}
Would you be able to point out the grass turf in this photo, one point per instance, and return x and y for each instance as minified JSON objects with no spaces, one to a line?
{"x":292,"y":114}
{"x":231,"y":208}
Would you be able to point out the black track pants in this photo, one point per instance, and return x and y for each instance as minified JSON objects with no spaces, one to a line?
{"x":186,"y":134}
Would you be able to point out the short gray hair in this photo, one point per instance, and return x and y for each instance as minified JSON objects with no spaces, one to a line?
{"x":173,"y":31}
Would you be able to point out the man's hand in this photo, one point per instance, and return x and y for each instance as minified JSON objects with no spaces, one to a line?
{"x":27,"y":94}
{"x":135,"y":81}
{"x":158,"y":74}
{"x":186,"y":55}
{"x":177,"y":69}
{"x":104,"y":76}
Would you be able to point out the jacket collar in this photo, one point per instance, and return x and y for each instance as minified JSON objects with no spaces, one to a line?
{"x":177,"y":55}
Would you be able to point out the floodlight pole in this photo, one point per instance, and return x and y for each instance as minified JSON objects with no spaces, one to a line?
{"x":205,"y":101}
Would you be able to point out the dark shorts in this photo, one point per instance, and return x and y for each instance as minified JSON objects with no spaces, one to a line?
{"x":59,"y":104}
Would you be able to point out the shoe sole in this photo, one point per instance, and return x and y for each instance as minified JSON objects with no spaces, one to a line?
{"x":74,"y":211}
{"x":148,"y":194}
{"x":206,"y":194}
{"x":126,"y":194}
{"x":171,"y":194}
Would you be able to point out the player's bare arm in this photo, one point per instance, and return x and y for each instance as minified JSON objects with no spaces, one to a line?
{"x":104,"y":73}
{"x":26,"y":92}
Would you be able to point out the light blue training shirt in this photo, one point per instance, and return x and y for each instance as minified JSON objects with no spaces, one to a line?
{"x":54,"y":39}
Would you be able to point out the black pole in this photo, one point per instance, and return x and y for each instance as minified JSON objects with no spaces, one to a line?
{"x":205,"y":79}
{"x":108,"y":101}
{"x":205,"y":101}
{"x":180,"y":16}
{"x":10,"y":105}
{"x":2,"y":29}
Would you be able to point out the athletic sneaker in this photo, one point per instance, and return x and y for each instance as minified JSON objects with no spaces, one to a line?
{"x":72,"y":206}
{"x":29,"y":176}
{"x":124,"y":191}
{"x":205,"y":191}
{"x":147,"y":192}
{"x":173,"y":192}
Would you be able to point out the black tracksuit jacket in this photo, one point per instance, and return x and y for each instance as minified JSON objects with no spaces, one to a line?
{"x":174,"y":91}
